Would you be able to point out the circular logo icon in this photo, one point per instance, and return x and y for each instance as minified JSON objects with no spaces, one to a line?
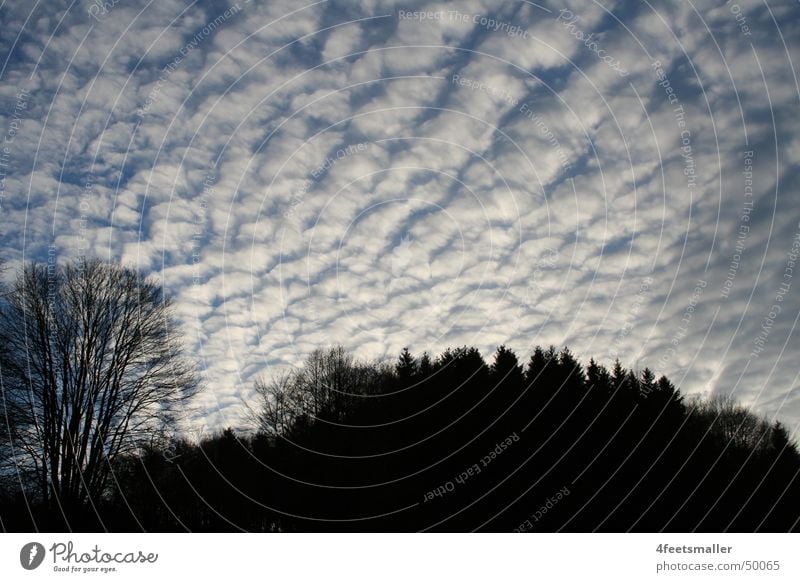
{"x":31,"y":555}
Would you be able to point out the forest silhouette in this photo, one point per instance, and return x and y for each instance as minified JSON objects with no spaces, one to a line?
{"x":453,"y":443}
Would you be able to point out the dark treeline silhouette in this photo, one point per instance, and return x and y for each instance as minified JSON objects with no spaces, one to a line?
{"x":453,"y":443}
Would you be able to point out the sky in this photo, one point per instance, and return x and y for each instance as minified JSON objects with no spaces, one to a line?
{"x":616,"y":177}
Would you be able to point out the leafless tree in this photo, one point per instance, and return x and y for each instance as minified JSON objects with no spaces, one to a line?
{"x":328,"y":380}
{"x":276,"y":404}
{"x":90,"y":370}
{"x":732,"y":422}
{"x":325,"y":387}
{"x":7,"y":472}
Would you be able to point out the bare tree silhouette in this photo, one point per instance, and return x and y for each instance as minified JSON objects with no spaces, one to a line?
{"x":90,"y":369}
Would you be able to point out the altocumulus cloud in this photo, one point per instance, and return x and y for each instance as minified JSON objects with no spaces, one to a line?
{"x":619,"y":177}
